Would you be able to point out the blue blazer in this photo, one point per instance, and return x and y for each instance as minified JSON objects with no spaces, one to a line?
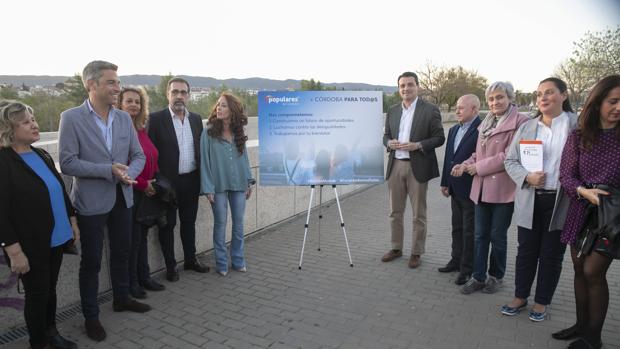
{"x":84,"y":155}
{"x":460,"y":187}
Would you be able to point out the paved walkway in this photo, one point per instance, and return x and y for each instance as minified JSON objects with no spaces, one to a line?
{"x":328,"y":304}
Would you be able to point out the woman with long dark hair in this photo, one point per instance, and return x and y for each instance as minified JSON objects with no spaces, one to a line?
{"x":591,"y":159}
{"x":226,"y":178}
{"x":540,"y":251}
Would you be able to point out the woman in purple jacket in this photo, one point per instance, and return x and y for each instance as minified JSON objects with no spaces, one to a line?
{"x":591,"y":157}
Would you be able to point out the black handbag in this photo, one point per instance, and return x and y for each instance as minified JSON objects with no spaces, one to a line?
{"x":589,"y":233}
{"x":151,"y":210}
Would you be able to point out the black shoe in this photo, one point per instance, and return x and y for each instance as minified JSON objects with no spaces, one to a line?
{"x":152,"y":285}
{"x":59,"y":342}
{"x":583,"y":343}
{"x":131,"y":305}
{"x":137,"y":292}
{"x":448,"y":268}
{"x":196,"y":266}
{"x":567,"y":333}
{"x":94,"y":330}
{"x":172,"y":275}
{"x":462,"y":279}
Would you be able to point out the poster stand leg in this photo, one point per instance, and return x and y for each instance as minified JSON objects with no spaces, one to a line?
{"x":344,"y":232}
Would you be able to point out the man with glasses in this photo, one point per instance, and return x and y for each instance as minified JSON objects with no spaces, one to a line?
{"x":175,"y":132}
{"x":99,"y":147}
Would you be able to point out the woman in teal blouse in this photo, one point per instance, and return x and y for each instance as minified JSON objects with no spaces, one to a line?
{"x":225,"y":177}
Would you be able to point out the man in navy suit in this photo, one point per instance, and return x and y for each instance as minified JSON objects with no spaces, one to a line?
{"x":461,"y":144}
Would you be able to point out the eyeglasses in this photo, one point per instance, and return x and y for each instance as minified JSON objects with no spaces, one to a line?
{"x":545,"y":94}
{"x":179,"y":92}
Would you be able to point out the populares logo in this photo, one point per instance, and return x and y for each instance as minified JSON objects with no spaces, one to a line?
{"x":281,"y":100}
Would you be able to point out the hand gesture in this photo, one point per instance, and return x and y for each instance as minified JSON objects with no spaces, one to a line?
{"x":591,"y":194}
{"x":248,"y":193}
{"x":150,"y":190}
{"x":457,"y":170}
{"x":211,"y":198}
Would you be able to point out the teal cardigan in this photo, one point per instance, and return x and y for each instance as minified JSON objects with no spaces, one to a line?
{"x":222,"y":168}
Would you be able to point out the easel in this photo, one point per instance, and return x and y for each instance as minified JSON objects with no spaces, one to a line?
{"x":301,"y":257}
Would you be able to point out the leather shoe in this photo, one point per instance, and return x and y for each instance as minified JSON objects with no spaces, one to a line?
{"x":172,"y":275}
{"x":567,"y":333}
{"x":448,"y":268}
{"x":131,"y":305}
{"x":152,"y":285}
{"x":391,"y":255}
{"x":196,"y":266}
{"x":137,"y":292}
{"x":414,"y":261}
{"x":59,"y":342}
{"x":462,"y":279}
{"x":94,"y":330}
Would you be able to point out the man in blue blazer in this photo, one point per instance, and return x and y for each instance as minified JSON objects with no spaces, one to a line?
{"x":99,"y":147}
{"x":461,"y":144}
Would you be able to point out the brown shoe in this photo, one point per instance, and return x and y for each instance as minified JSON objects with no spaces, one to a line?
{"x":414,"y":261}
{"x":391,"y":255}
{"x":94,"y":330}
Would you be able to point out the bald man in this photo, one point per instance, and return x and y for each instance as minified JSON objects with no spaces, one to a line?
{"x":459,"y":147}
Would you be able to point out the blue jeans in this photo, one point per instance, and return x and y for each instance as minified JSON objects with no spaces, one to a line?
{"x":220,"y":213}
{"x":492,"y":222}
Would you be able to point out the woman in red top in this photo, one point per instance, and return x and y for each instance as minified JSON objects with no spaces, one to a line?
{"x":134,"y":101}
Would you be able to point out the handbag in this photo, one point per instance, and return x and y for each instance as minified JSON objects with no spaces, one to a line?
{"x":589,"y":233}
{"x":151,"y":210}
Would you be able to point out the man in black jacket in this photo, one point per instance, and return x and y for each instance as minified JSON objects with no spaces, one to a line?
{"x":175,"y":132}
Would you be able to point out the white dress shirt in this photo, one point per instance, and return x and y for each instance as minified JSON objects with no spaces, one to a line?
{"x":404,"y":129}
{"x":185,"y":139}
{"x":553,"y":139}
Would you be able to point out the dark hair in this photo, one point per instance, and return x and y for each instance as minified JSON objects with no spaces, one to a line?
{"x":408,"y":74}
{"x":561,"y":85}
{"x":590,"y":117}
{"x":238,"y":119}
{"x":177,"y":79}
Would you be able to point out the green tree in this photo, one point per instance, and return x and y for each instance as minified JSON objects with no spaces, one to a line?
{"x":74,"y":90}
{"x":157,"y":95}
{"x":390,"y":99}
{"x":595,"y":56}
{"x":8,"y":92}
{"x":47,"y":109}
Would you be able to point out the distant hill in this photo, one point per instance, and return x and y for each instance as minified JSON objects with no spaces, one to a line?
{"x":196,"y":81}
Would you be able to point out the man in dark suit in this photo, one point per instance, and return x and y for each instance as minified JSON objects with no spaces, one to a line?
{"x":412,"y":131}
{"x":461,"y":144}
{"x":175,"y":132}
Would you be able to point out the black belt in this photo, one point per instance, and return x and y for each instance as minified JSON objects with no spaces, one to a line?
{"x":546,"y":192}
{"x":402,"y":159}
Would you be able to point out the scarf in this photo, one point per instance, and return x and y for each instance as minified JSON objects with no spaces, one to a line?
{"x":492,"y":121}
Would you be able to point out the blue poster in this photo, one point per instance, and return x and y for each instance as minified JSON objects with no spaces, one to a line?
{"x":320,"y":137}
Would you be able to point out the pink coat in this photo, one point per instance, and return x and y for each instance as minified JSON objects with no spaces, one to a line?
{"x":491,"y":178}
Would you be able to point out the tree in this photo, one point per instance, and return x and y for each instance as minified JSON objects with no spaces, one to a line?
{"x":8,"y":92}
{"x":444,"y":86}
{"x":158,"y":98}
{"x":595,"y":56}
{"x":74,"y":90}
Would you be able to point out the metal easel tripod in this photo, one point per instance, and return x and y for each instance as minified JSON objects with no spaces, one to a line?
{"x":344,"y":232}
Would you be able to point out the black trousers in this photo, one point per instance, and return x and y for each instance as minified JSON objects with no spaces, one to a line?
{"x":40,"y":306}
{"x":463,"y":213}
{"x":139,"y":270}
{"x":118,"y":221}
{"x":539,"y":249}
{"x":187,"y":189}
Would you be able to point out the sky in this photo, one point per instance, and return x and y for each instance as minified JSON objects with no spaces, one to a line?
{"x":329,"y":40}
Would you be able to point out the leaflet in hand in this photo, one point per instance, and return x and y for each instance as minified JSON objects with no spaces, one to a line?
{"x":531,"y":152}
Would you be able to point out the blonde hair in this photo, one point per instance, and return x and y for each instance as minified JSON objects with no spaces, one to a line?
{"x":11,"y":112}
{"x":140,"y":120}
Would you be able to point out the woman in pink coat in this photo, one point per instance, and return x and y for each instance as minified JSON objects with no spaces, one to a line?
{"x":492,"y":190}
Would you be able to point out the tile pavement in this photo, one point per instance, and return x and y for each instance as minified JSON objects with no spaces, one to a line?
{"x":328,"y":304}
